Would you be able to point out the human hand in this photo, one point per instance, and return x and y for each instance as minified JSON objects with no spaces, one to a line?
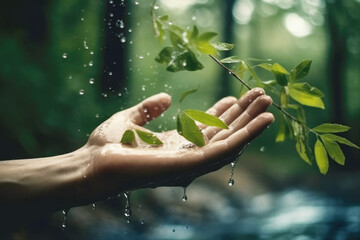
{"x":115,"y":167}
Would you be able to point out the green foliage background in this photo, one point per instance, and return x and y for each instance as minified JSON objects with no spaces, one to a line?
{"x":42,"y":112}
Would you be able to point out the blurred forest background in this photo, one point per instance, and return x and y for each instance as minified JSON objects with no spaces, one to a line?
{"x":66,"y":66}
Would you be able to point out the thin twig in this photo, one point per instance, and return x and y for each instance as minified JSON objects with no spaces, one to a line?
{"x":248,"y":87}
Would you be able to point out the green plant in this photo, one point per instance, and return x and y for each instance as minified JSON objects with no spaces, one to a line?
{"x":187,"y":45}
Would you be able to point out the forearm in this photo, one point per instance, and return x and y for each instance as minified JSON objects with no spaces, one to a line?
{"x":46,"y":184}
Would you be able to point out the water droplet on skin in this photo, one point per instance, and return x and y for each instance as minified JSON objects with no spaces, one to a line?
{"x":81,"y":92}
{"x":92,"y":81}
{"x":64,"y":55}
{"x":184,"y":198}
{"x":262,"y":149}
{"x":127,"y":211}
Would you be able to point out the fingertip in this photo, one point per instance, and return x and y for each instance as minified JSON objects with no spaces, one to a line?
{"x":261,"y":122}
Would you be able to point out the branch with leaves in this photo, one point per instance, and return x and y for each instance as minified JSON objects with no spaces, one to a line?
{"x":187,"y":45}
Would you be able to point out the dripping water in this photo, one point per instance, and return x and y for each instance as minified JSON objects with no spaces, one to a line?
{"x":127,"y":211}
{"x":184,"y":198}
{"x":231,"y":179}
{"x":65,"y":219}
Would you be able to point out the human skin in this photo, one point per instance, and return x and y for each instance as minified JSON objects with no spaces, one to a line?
{"x":104,"y":167}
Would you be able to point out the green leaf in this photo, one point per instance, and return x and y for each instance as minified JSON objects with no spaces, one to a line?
{"x":266,"y":66}
{"x":128,"y":137}
{"x":232,"y":59}
{"x":205,"y":118}
{"x":321,"y":157}
{"x":302,"y":146}
{"x":334,"y":151}
{"x":187,"y":93}
{"x":300,"y":71}
{"x":335,"y":138}
{"x":207,"y":36}
{"x":303,"y":149}
{"x":331,"y":128}
{"x":203,"y":45}
{"x":187,"y":128}
{"x":177,"y":41}
{"x":192,"y":35}
{"x":285,"y":129}
{"x":148,"y":137}
{"x":284,"y":96}
{"x":280,"y":74}
{"x":177,"y":60}
{"x":221,"y":46}
{"x":242,"y":67}
{"x":306,"y":95}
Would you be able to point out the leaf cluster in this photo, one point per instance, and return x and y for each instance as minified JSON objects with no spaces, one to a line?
{"x":287,"y":86}
{"x":186,"y":45}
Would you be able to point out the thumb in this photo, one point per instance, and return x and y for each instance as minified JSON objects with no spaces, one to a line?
{"x":149,"y":109}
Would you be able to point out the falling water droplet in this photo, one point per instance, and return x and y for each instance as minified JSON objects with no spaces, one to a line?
{"x":137,"y":2}
{"x":231,"y":179}
{"x":93,"y":206}
{"x":110,"y":73}
{"x":92,"y":81}
{"x":91,"y":63}
{"x":262,"y":149}
{"x":65,"y":219}
{"x":127,"y":211}
{"x":81,"y":92}
{"x":64,"y":55}
{"x":184,"y":198}
{"x":123,"y":39}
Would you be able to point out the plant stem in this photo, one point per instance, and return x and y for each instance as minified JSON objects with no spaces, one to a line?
{"x":287,"y":114}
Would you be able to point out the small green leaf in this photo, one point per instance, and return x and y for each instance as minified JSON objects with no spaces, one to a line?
{"x":321,"y":157}
{"x":335,"y":138}
{"x":205,"y":118}
{"x":303,"y":150}
{"x":284,"y":96}
{"x":232,"y":59}
{"x":266,"y":66}
{"x":207,"y":36}
{"x":305,"y":95}
{"x":331,"y":128}
{"x":300,"y":71}
{"x":334,"y":151}
{"x":242,"y":67}
{"x":179,"y":60}
{"x":177,"y":41}
{"x":285,"y":129}
{"x":203,"y":45}
{"x":221,"y":46}
{"x":193,"y":34}
{"x":187,"y":128}
{"x":148,"y":137}
{"x":187,"y":93}
{"x":280,"y":74}
{"x":128,"y":137}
